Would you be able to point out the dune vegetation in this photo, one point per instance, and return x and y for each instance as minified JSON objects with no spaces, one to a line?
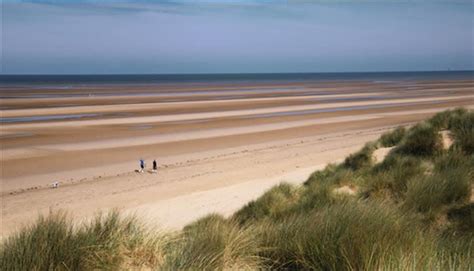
{"x":411,"y":211}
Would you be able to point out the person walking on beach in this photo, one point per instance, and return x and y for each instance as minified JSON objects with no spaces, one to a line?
{"x":142,"y":165}
{"x":155,"y":167}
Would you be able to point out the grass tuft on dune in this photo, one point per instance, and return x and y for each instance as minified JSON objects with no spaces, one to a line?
{"x":392,"y":138}
{"x":411,"y":211}
{"x":107,"y":242}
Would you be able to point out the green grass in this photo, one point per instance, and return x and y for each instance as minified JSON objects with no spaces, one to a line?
{"x":214,"y":243}
{"x":273,"y":203}
{"x":411,"y":211}
{"x":392,"y":138}
{"x":336,"y":237}
{"x":421,"y":140}
{"x":390,"y":178}
{"x":362,"y":158}
{"x":462,"y":127}
{"x":106,"y":243}
{"x":443,"y":120}
{"x":449,"y":183}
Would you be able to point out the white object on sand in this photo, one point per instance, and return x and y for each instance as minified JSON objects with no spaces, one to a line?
{"x":55,"y":185}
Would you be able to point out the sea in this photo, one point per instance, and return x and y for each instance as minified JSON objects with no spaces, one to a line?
{"x":112,"y":79}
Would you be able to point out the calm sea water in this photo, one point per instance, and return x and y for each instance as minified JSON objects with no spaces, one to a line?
{"x":223,"y":78}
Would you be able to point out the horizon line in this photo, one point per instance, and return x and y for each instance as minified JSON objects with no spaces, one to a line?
{"x":217,"y":73}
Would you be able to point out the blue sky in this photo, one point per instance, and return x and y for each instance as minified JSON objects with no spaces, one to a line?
{"x":235,"y":36}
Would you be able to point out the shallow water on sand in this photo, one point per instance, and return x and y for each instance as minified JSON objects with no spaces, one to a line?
{"x":328,"y":110}
{"x":46,"y":118}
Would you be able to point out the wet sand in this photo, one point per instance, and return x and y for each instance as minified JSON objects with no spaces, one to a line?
{"x":217,"y":146}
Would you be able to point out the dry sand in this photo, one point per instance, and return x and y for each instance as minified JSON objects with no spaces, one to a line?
{"x":217,"y":146}
{"x":381,"y":153}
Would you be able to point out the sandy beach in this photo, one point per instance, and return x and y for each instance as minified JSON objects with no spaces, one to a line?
{"x":217,"y":145}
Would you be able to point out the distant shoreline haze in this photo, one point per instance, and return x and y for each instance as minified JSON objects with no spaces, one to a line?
{"x":227,"y":78}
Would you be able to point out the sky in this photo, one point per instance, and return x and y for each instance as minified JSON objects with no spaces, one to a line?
{"x":235,"y":36}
